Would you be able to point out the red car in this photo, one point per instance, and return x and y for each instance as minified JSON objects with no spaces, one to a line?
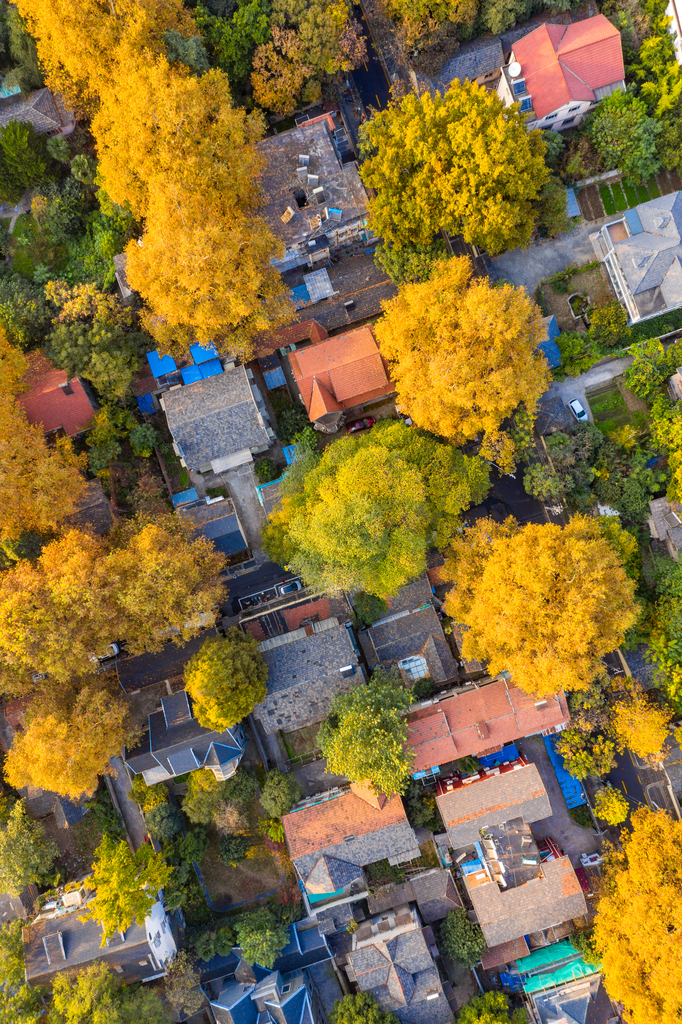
{"x":365,"y":424}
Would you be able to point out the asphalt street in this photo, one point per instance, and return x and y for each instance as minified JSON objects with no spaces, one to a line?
{"x":642,"y":785}
{"x":369,"y":78}
{"x":147,"y":669}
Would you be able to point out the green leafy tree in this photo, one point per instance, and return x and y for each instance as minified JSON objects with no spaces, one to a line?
{"x":583,"y":942}
{"x":22,"y":1004}
{"x":25,"y":852}
{"x":586,"y":755}
{"x":234,"y":848}
{"x":461,"y":161}
{"x":204,"y":793}
{"x":26,"y":73}
{"x":190,"y":52}
{"x":401,"y":491}
{"x":59,"y":149}
{"x":554,"y":141}
{"x":360,"y":1008}
{"x":280,"y":793}
{"x":24,"y":154}
{"x":291,"y":421}
{"x":551,"y":207}
{"x":411,"y":262}
{"x":611,"y":806}
{"x":226,"y":678}
{"x":608,"y":324}
{"x":11,"y":954}
{"x":490,"y":1008}
{"x":126,"y":884}
{"x":84,"y":168}
{"x":24,"y":313}
{"x":104,"y":354}
{"x":164,"y":821}
{"x":625,"y":136}
{"x":242,"y":787}
{"x":578,"y":352}
{"x":368,"y":608}
{"x":540,"y":481}
{"x":148,"y":796}
{"x":59,"y":210}
{"x":94,"y":995}
{"x":181,"y":985}
{"x":144,"y":439}
{"x":232,"y":42}
{"x":460,"y":939}
{"x":364,"y":734}
{"x":261,"y":936}
{"x":212,"y":943}
{"x":648,"y":370}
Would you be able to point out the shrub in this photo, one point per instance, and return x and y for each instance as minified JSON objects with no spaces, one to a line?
{"x":460,"y":939}
{"x":149,"y":796}
{"x":164,"y":821}
{"x":608,"y":325}
{"x":581,"y":816}
{"x":144,"y":439}
{"x":280,"y":793}
{"x":290,"y":421}
{"x":234,"y":848}
{"x":583,"y":942}
{"x":368,"y":608}
{"x":267,"y":470}
{"x":214,"y":943}
{"x":242,"y":787}
{"x":424,"y":688}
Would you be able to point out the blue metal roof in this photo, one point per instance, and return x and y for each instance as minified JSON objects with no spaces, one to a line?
{"x":508,"y":753}
{"x":275,"y":379}
{"x":202,"y":353}
{"x":145,"y":403}
{"x":570,"y":786}
{"x":184,"y":497}
{"x":290,"y":453}
{"x":190,"y":374}
{"x":300,"y":296}
{"x":633,"y":222}
{"x":159,"y":365}
{"x":572,"y":208}
{"x":551,"y":352}
{"x":211,"y":369}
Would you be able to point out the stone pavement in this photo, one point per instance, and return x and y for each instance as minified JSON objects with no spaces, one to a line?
{"x":528,"y":267}
{"x":132,"y":817}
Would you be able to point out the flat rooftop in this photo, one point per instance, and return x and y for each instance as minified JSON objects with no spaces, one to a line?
{"x":506,"y":854}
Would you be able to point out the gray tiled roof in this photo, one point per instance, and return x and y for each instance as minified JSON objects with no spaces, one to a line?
{"x":434,"y":892}
{"x":215,"y":417}
{"x":38,"y":109}
{"x":471,"y":60}
{"x":391,"y":841}
{"x":541,"y":903}
{"x":304,"y":676}
{"x":491,"y":801}
{"x":417,"y":634}
{"x":651,"y":258}
{"x":93,"y":511}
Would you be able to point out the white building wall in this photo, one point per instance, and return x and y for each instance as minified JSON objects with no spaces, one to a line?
{"x":674,"y":12}
{"x":159,"y":934}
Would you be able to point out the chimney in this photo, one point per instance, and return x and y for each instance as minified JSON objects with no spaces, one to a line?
{"x":309,"y":631}
{"x":66,"y":388}
{"x":365,"y":791}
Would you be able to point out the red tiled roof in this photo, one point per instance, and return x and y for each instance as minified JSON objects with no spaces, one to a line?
{"x":328,"y":823}
{"x":322,"y":401}
{"x":306,"y":330}
{"x":505,"y":953}
{"x":480,"y":720}
{"x":349,"y":367}
{"x":45,"y":402}
{"x":563,"y":63}
{"x":294,"y":616}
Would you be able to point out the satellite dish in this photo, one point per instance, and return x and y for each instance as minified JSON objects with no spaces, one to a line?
{"x":514,"y":69}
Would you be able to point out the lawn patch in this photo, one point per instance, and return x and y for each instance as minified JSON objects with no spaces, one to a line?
{"x":619,"y":197}
{"x":654,"y":190}
{"x":607,"y":199}
{"x":642,"y":194}
{"x":630,"y":193}
{"x":251,"y":878}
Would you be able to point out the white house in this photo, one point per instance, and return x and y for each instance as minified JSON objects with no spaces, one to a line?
{"x":558,"y":73}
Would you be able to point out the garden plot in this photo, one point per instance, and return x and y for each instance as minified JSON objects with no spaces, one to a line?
{"x":614,"y":406}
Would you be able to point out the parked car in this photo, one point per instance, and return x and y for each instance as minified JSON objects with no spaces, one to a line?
{"x":578,"y":411}
{"x":291,"y":587}
{"x":111,"y":652}
{"x":365,"y":424}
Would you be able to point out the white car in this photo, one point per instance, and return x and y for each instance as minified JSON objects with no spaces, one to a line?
{"x":578,"y":411}
{"x":291,"y":587}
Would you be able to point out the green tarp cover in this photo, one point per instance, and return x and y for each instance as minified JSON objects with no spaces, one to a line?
{"x":545,"y":955}
{"x":569,"y":972}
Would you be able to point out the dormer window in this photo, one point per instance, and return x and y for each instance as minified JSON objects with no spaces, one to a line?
{"x":519,"y":87}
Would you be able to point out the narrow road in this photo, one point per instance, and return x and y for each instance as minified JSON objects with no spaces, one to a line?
{"x":642,"y":785}
{"x":134,"y":821}
{"x":370,"y":79}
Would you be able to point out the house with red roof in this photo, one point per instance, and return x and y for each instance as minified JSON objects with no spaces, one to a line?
{"x":480,"y":720}
{"x":54,"y":402}
{"x":339,"y":376}
{"x":559,"y":73}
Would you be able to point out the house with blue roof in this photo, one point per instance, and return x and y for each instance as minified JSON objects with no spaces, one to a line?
{"x":174,"y":743}
{"x":549,"y":347}
{"x":286,"y":993}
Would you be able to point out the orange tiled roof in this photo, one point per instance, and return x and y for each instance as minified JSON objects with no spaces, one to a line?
{"x":328,"y":823}
{"x":563,"y":63}
{"x":322,"y":401}
{"x":307,"y":330}
{"x":45,"y":403}
{"x":348,"y":366}
{"x":480,"y":720}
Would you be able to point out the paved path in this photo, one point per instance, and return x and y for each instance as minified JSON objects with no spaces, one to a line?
{"x":131,"y":813}
{"x":528,"y":267}
{"x":241,"y":486}
{"x":569,"y":836}
{"x":575,"y":387}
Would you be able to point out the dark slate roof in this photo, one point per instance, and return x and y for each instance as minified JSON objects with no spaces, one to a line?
{"x":38,"y":109}
{"x":183,"y":746}
{"x":583,"y":1002}
{"x":68,"y":813}
{"x":217,"y":522}
{"x":434,"y":892}
{"x":415,"y":634}
{"x":306,"y":947}
{"x":217,"y":967}
{"x":358,"y":279}
{"x":472,"y":60}
{"x":334,"y":919}
{"x":176,"y":709}
{"x":81,"y":942}
{"x":304,"y":675}
{"x":93,"y":511}
{"x":330,"y":874}
{"x":215,"y":417}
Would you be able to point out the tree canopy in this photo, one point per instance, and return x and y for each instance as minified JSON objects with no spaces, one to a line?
{"x":541,"y":602}
{"x":25,"y":852}
{"x":94,"y":995}
{"x":280,"y":793}
{"x":625,"y":136}
{"x":364,"y":734}
{"x":261,"y":936}
{"x":461,"y":161}
{"x":460,"y":939}
{"x":360,"y":1008}
{"x":65,"y":747}
{"x":640,"y":725}
{"x":490,"y":1008}
{"x":636,"y":932}
{"x":362,"y":515}
{"x":126,"y":884}
{"x":226,"y":678}
{"x":463,"y":354}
